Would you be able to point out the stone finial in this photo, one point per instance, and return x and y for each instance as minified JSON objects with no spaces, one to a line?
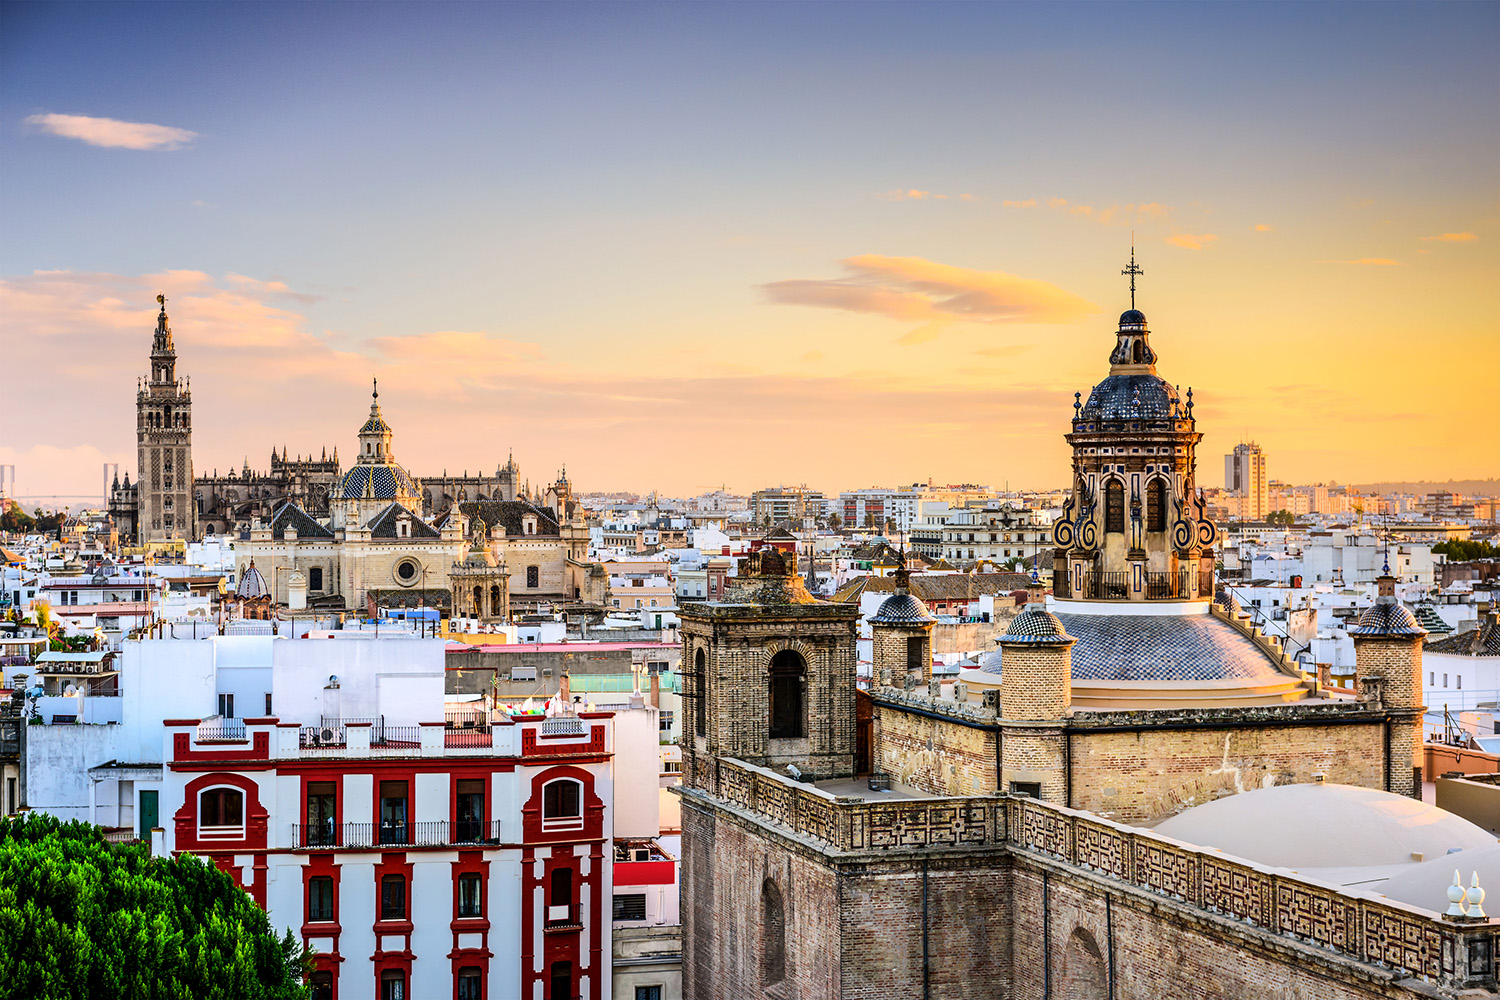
{"x":1455,"y":896}
{"x":1475,"y":897}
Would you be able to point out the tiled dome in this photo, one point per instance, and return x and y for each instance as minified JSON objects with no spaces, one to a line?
{"x":252,"y":584}
{"x":1387,"y":616}
{"x":1036,"y":624}
{"x":901,"y":609}
{"x":376,"y":481}
{"x":1131,"y":397}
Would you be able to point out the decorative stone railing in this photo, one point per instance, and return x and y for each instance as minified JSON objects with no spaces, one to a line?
{"x":1362,"y":926}
{"x":852,"y":823}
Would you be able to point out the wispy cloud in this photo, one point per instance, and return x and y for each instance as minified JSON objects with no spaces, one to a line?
{"x":1366,"y":262}
{"x":113,"y":133}
{"x":912,"y":289}
{"x":1451,"y":238}
{"x":917,"y":194}
{"x":1190,"y":242}
{"x":1262,"y":228}
{"x":1127,"y":214}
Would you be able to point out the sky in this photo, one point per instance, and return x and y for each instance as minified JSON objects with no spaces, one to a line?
{"x":683,"y":246}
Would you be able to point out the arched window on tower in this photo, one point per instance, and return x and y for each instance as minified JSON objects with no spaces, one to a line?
{"x":478,"y":597}
{"x":700,"y":690}
{"x":772,"y":935}
{"x":494,"y":600}
{"x":1114,"y":506}
{"x":788,"y":672}
{"x":1156,"y":506}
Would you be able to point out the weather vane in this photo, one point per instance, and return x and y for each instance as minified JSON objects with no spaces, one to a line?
{"x":1132,"y":270}
{"x":163,"y":300}
{"x":374,"y":387}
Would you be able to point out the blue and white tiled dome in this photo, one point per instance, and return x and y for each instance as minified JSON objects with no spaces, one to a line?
{"x":901,"y":609}
{"x":1036,"y":624}
{"x":377,"y":481}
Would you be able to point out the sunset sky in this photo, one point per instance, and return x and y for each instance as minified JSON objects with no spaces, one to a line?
{"x":683,"y":246}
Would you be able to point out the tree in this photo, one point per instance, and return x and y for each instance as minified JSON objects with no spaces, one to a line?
{"x":15,"y":519}
{"x":83,"y":918}
{"x":1466,"y":549}
{"x":835,"y":522}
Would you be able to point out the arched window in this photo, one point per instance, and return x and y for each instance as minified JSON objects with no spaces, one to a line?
{"x":1114,"y":506}
{"x":772,"y":935}
{"x":494,"y":600}
{"x":700,"y":689}
{"x":533,"y":576}
{"x":1084,"y":975}
{"x":1156,"y":506}
{"x":221,"y":814}
{"x":478,"y":597}
{"x":788,"y":671}
{"x":562,"y":804}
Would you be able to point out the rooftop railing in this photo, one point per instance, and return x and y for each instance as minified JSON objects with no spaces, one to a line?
{"x":425,"y":833}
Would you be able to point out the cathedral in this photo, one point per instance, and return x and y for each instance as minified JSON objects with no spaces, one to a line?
{"x":167,"y":501}
{"x":1064,"y":820}
{"x":322,"y":536}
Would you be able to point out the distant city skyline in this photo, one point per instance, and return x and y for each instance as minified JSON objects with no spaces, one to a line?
{"x":684,"y":246}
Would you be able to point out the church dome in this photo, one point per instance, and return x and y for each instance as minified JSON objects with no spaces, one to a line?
{"x":1134,"y":396}
{"x":252,"y":584}
{"x":1387,"y":617}
{"x":1035,"y":624}
{"x":901,"y":609}
{"x":1324,"y":826}
{"x":1132,"y":317}
{"x":376,"y":481}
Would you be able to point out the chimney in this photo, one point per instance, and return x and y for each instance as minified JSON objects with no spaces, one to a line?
{"x":655,"y":690}
{"x":565,"y":691}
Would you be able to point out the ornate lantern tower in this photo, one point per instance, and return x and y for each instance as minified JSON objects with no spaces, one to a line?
{"x":167,"y":507}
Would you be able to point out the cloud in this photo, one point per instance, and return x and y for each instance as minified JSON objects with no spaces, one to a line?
{"x":1190,"y":242}
{"x":112,"y":133}
{"x":1451,"y":238}
{"x":911,"y":194}
{"x":1027,"y":203}
{"x":912,"y":289}
{"x":1366,"y":262}
{"x":1262,"y":228}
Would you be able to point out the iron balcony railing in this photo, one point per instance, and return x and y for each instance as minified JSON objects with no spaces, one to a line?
{"x":425,"y":833}
{"x":1167,"y":586}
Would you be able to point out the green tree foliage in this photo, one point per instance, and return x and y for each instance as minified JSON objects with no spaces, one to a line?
{"x":81,"y":918}
{"x":15,"y":519}
{"x":1466,"y":549}
{"x":1285,"y":517}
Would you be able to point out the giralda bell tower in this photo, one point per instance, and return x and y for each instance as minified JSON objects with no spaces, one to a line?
{"x":164,"y":444}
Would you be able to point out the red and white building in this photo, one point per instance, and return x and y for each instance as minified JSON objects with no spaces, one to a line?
{"x":419,"y":861}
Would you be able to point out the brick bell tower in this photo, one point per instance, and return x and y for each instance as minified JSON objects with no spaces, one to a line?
{"x":1388,"y":671}
{"x":770,"y":674}
{"x":1136,"y":525}
{"x":901,"y":638}
{"x":166,"y":506}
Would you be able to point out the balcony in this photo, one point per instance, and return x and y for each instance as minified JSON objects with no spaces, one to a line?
{"x":1102,"y":586}
{"x":426,"y":833}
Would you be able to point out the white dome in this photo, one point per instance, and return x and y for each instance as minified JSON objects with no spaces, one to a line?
{"x":1324,"y":826}
{"x":1426,"y":885}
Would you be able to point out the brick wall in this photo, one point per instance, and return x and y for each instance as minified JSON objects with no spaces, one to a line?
{"x":1038,"y":682}
{"x":936,"y":756}
{"x":1399,"y":662}
{"x":1154,"y":772}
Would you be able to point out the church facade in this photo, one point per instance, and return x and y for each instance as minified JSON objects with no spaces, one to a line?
{"x":992,"y":837}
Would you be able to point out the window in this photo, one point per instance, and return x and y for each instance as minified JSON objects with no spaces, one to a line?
{"x":315,"y":578}
{"x":393,"y":897}
{"x":561,"y":981}
{"x":226,"y":705}
{"x":788,"y":670}
{"x":1156,"y":506}
{"x":533,"y":577}
{"x":1114,"y":506}
{"x":393,"y":985}
{"x":470,"y":810}
{"x":321,"y":796}
{"x":1445,"y":680}
{"x":1031,"y":788}
{"x":393,"y":812}
{"x":268,"y":703}
{"x":561,"y":801}
{"x":407,"y":570}
{"x":664,"y":720}
{"x":322,"y":986}
{"x":221,"y":813}
{"x":470,"y":902}
{"x":1458,"y":682}
{"x":700,"y":691}
{"x":772,"y":935}
{"x":319,"y":898}
{"x":916,"y":659}
{"x":470,"y":983}
{"x":562,"y":888}
{"x":648,"y":993}
{"x":631,"y":906}
{"x":1432,"y":678}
